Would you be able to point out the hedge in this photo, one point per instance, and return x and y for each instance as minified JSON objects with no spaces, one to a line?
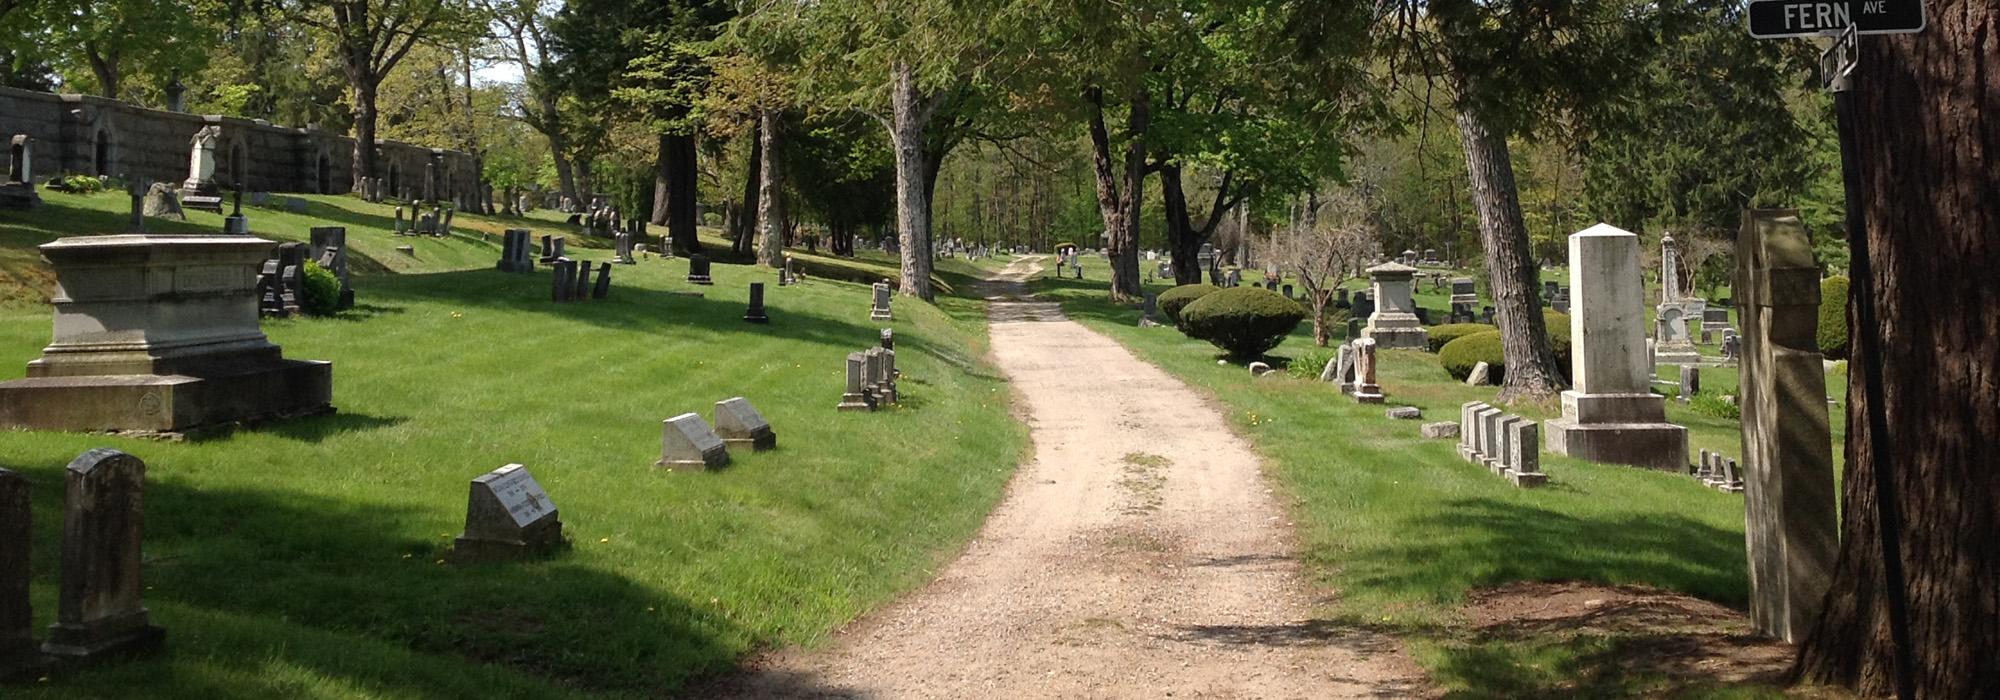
{"x":1459,"y":356}
{"x":320,"y":291}
{"x":1173,"y":300}
{"x":1833,"y":318}
{"x":1441,"y":335}
{"x":1243,"y":321}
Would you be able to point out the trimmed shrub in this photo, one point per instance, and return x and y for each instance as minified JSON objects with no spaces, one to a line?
{"x":1243,"y":321}
{"x":1833,"y":318}
{"x":1441,"y":335}
{"x":320,"y":290}
{"x":1459,"y":356}
{"x":1173,"y":300}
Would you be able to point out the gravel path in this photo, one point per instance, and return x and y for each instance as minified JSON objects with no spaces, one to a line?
{"x":1138,"y":554}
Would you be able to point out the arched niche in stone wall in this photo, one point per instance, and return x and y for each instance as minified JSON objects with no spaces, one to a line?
{"x":395,"y":179}
{"x":237,"y":166}
{"x":103,"y":151}
{"x":322,"y":172}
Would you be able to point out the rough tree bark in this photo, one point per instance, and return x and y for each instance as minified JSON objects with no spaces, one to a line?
{"x":912,"y":113}
{"x":1532,"y":369}
{"x":744,"y":226}
{"x":681,"y":183}
{"x":1184,"y":239}
{"x":770,"y":194}
{"x":364,"y":133}
{"x":1118,"y":202}
{"x":1928,"y":127}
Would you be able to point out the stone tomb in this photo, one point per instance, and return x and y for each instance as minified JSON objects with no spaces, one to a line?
{"x":507,"y":516}
{"x":686,"y":442}
{"x":1611,"y":414}
{"x":739,"y":424}
{"x":1791,"y":532}
{"x":159,"y":333}
{"x":99,"y":613}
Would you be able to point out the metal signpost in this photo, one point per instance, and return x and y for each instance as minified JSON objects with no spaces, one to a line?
{"x":1847,"y":21}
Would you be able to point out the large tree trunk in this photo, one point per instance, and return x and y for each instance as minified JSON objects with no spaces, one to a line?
{"x":1927,"y":122}
{"x":1184,"y":246}
{"x":661,"y":192}
{"x":105,"y":67}
{"x":1120,"y":209}
{"x":913,"y":112}
{"x":681,"y":174}
{"x":746,"y":225}
{"x":558,"y":146}
{"x":364,"y":132}
{"x":770,"y":194}
{"x":1532,"y":369}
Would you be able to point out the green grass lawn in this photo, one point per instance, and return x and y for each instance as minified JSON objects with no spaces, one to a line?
{"x":302,"y":559}
{"x":1401,"y":529}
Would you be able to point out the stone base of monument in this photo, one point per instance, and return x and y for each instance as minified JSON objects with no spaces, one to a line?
{"x":535,"y":543}
{"x":1618,"y":429}
{"x":1397,"y":337}
{"x":1528,"y":480}
{"x":199,"y":202}
{"x":1676,"y":354}
{"x":1367,"y":393}
{"x":19,"y":196}
{"x":118,"y":636}
{"x":168,"y":403}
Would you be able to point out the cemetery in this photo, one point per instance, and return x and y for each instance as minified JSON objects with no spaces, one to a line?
{"x":1510,"y":349}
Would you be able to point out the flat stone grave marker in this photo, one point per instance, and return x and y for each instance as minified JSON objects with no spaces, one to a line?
{"x":686,"y":442}
{"x":739,"y":423}
{"x":507,"y":516}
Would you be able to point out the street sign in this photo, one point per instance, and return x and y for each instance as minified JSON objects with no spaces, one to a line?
{"x":1778,"y":19}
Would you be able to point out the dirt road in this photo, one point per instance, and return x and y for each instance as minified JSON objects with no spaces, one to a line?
{"x":1138,"y":554}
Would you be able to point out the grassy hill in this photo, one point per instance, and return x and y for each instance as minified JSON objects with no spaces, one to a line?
{"x":302,"y":559}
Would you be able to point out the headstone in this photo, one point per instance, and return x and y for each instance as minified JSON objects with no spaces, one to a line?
{"x":1363,"y":306}
{"x":879,"y":310}
{"x":1468,"y":431}
{"x":1792,"y":534}
{"x":100,"y":612}
{"x":564,"y":280}
{"x":17,"y":192}
{"x":624,"y":249}
{"x":1524,"y":457}
{"x":19,"y":654}
{"x":855,"y":398}
{"x":739,"y":424}
{"x":1365,"y":388}
{"x":698,"y":269}
{"x":1732,"y":346}
{"x":1481,"y":375}
{"x":1439,"y":430}
{"x":1344,"y":370}
{"x":1611,"y":414}
{"x":686,"y":442}
{"x":1464,"y":291}
{"x":163,"y":203}
{"x":1690,"y":382}
{"x":1675,"y":344}
{"x":755,"y":314}
{"x":1404,"y":413}
{"x":888,"y":339}
{"x":200,"y":190}
{"x":184,"y":352}
{"x":582,"y":290}
{"x":507,"y":516}
{"x":400,"y":228}
{"x":514,"y":253}
{"x":333,"y":239}
{"x":1484,"y":422}
{"x":603,"y":287}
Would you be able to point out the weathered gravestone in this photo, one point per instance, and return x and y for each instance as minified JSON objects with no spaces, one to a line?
{"x":200,"y":190}
{"x":1791,"y":534}
{"x":686,"y":442}
{"x":163,"y":203}
{"x":739,"y":423}
{"x":1675,"y":344}
{"x":19,"y":654}
{"x":514,"y":253}
{"x":1481,"y":375}
{"x":1524,"y":457}
{"x":1611,"y":414}
{"x":698,"y":269}
{"x":879,"y":310}
{"x":100,"y":612}
{"x":18,"y":191}
{"x":159,"y":334}
{"x":582,"y":290}
{"x":563,"y":281}
{"x":1690,"y":382}
{"x":856,"y":397}
{"x":602,"y":289}
{"x":755,"y":314}
{"x":333,"y":239}
{"x":1365,"y":388}
{"x":507,"y":517}
{"x":400,"y":228}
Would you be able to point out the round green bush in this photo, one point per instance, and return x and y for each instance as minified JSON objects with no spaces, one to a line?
{"x":1441,"y":335}
{"x":1173,"y":300}
{"x":1243,"y":321}
{"x":1459,"y":356}
{"x":1833,"y":318}
{"x":321,"y":291}
{"x":1558,"y":330}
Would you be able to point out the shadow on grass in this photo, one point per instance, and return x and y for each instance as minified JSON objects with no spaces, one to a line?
{"x":1470,"y":542}
{"x":315,"y":429}
{"x":248,"y":579}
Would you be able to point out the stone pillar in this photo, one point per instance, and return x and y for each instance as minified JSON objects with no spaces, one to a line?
{"x":1394,"y":322}
{"x":755,"y":314}
{"x":100,"y":612}
{"x":1789,"y":510}
{"x":1365,"y":388}
{"x":1611,"y":414}
{"x":18,"y":652}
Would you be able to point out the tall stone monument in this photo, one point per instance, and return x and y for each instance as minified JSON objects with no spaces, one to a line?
{"x":1675,"y":343}
{"x":1394,"y":323}
{"x":158,"y":333}
{"x":18,"y":191}
{"x":1789,"y":509}
{"x":200,"y":190}
{"x":99,"y":612}
{"x":1611,"y":414}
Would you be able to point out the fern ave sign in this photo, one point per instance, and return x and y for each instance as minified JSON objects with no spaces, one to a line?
{"x":1780,"y":19}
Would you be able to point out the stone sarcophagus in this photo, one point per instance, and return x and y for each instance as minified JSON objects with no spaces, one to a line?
{"x":158,"y":333}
